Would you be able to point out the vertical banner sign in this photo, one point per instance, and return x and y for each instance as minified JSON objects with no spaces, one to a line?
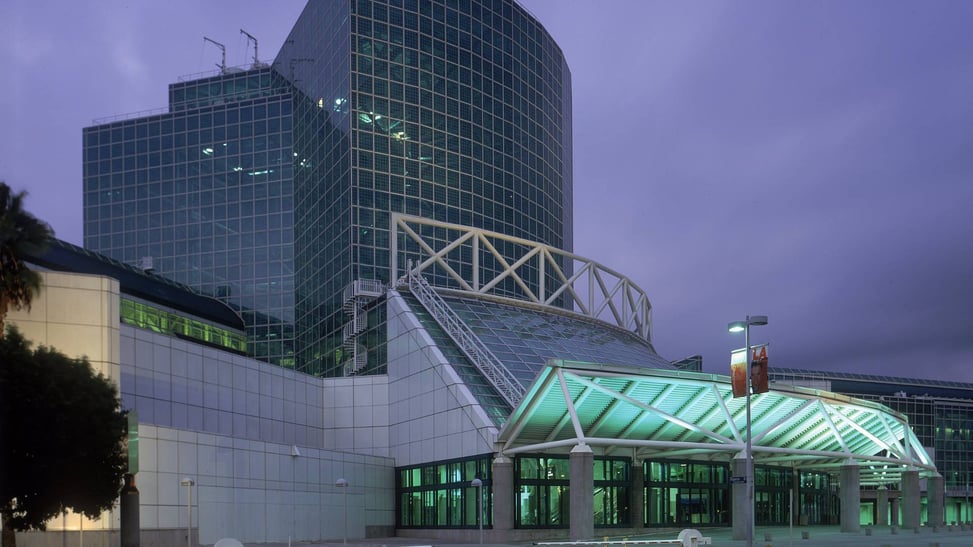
{"x":758,"y":370}
{"x":738,"y":372}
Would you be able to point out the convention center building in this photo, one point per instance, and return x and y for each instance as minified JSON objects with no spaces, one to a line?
{"x":338,"y":290}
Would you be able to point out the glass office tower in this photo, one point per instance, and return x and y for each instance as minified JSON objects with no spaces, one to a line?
{"x":454,"y":110}
{"x":203,"y":194}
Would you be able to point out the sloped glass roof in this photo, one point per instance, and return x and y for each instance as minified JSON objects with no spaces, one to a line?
{"x":480,"y":387}
{"x":64,"y":257}
{"x":524,"y":338}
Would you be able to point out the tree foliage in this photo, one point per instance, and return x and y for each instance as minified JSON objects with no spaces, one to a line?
{"x":20,"y":234}
{"x":61,"y":433}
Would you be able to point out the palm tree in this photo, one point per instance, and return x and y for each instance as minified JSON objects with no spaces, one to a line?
{"x":21,"y":233}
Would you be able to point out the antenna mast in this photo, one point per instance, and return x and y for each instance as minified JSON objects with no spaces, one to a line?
{"x":222,"y":64}
{"x":256,"y":58}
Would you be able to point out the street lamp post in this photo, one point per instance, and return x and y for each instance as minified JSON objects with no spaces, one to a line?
{"x":478,"y":484}
{"x":343,"y":484}
{"x":737,"y":326}
{"x":188,"y":483}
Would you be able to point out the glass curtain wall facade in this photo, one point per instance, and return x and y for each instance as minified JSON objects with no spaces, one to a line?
{"x":272,"y":188}
{"x":542,"y":490}
{"x":203,"y":195}
{"x":693,"y":494}
{"x":440,"y":494}
{"x":541,"y":485}
{"x":687,"y":494}
{"x":457,"y":111}
{"x":681,"y":494}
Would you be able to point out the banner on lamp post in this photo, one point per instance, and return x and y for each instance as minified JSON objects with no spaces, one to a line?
{"x":758,"y":370}
{"x":738,"y":372}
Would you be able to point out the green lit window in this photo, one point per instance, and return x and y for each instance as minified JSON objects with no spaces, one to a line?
{"x":440,"y":495}
{"x":612,"y":479}
{"x":686,"y":494}
{"x":165,"y":322}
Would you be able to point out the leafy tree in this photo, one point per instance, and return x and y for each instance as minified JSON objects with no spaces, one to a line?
{"x":20,"y":233}
{"x":61,"y":433}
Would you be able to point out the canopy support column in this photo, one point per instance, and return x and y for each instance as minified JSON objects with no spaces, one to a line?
{"x":582,"y":487}
{"x":503,"y":495}
{"x":882,"y":506}
{"x":935,"y":494}
{"x":638,"y":495}
{"x":851,"y":495}
{"x":910,"y":499}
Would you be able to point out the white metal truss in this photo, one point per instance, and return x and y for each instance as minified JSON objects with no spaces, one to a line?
{"x":588,"y":287}
{"x":677,"y":414}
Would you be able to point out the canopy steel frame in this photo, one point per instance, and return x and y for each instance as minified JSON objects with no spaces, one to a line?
{"x":665,"y":413}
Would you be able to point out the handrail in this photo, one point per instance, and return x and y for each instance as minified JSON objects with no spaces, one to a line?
{"x":355,"y":295}
{"x":492,"y":368}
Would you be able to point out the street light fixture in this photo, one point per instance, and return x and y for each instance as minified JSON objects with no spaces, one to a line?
{"x":343,"y":484}
{"x":188,"y":483}
{"x":737,"y":326}
{"x":478,"y":484}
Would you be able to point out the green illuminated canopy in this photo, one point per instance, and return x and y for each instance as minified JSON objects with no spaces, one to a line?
{"x":677,"y":414}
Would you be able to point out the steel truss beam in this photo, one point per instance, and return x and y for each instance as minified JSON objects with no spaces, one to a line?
{"x":542,"y":274}
{"x":666,"y":413}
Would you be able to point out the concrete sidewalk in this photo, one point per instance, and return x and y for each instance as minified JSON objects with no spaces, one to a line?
{"x":880,"y":536}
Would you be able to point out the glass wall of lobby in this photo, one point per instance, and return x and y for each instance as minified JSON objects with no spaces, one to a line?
{"x":666,"y":493}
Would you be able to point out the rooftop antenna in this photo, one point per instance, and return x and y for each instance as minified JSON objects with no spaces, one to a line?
{"x":256,"y":58}
{"x":222,"y":64}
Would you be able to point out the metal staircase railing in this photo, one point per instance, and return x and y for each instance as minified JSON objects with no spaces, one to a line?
{"x":492,"y":368}
{"x":356,"y":295}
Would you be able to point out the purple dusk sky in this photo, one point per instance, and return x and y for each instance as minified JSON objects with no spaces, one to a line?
{"x":811,"y":161}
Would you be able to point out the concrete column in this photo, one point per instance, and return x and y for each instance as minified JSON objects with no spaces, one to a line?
{"x":503,"y":495}
{"x":582,"y":508}
{"x":741,"y":507}
{"x":910,"y":499}
{"x":894,"y":511}
{"x":637,"y":503}
{"x":882,"y":506}
{"x":935,"y":495}
{"x":851,"y":497}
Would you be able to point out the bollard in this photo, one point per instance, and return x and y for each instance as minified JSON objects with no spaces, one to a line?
{"x":805,"y":535}
{"x":691,"y":537}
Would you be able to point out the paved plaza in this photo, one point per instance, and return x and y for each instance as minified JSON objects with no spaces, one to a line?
{"x":879,"y":536}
